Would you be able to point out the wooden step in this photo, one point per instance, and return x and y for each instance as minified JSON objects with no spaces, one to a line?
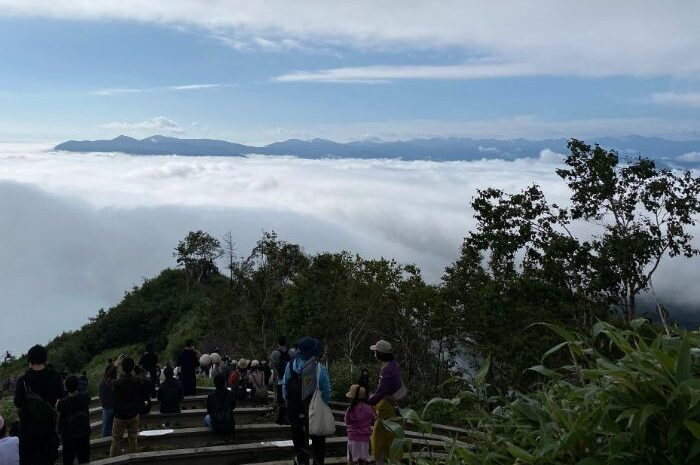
{"x":239,"y":454}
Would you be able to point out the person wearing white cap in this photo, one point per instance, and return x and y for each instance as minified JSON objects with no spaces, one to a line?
{"x":257,"y":381}
{"x":382,"y":400}
{"x":9,"y":446}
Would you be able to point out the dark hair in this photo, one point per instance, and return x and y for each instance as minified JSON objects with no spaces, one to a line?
{"x":220,"y":381}
{"x":37,"y":355}
{"x":84,"y":373}
{"x":110,"y":372}
{"x":282,"y":341}
{"x":382,"y":357}
{"x":356,"y":400}
{"x":168,"y":372}
{"x":71,"y":383}
{"x":149,"y":347}
{"x":128,"y":365}
{"x":189,"y":342}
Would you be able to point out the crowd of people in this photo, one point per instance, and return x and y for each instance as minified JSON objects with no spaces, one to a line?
{"x":54,"y":408}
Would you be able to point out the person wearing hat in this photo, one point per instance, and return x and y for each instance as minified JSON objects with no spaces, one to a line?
{"x":239,"y":381}
{"x":9,"y":446}
{"x":359,"y":418}
{"x":389,"y":384}
{"x":257,"y":381}
{"x":298,"y":408}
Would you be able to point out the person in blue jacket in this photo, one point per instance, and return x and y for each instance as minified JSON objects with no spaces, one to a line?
{"x":298,"y":408}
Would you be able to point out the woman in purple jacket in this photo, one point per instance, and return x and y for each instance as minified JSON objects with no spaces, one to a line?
{"x":389,"y":384}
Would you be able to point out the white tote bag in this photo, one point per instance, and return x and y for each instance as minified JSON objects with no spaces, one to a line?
{"x":321,"y":421}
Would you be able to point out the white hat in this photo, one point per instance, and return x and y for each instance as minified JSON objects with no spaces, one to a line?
{"x":215,"y":358}
{"x":205,"y":360}
{"x":255,"y":363}
{"x":382,"y":346}
{"x":242,"y":363}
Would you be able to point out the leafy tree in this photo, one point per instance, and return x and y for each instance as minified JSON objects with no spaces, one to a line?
{"x":197,"y":254}
{"x":646,"y":212}
{"x":529,"y":260}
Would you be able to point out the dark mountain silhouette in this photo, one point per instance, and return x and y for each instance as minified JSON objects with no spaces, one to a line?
{"x":156,"y":145}
{"x":438,"y":149}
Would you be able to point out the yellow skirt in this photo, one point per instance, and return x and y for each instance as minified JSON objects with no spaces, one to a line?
{"x":382,"y":437}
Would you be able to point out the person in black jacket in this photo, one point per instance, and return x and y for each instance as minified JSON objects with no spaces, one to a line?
{"x":188,"y":361}
{"x":170,"y":393}
{"x":220,"y":406}
{"x":128,"y":402}
{"x":74,"y":423}
{"x":149,"y":362}
{"x":36,"y":394}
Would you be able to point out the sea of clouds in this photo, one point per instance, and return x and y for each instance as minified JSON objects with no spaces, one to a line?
{"x":78,"y":230}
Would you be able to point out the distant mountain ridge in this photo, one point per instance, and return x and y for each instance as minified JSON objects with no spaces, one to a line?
{"x":684,"y":153}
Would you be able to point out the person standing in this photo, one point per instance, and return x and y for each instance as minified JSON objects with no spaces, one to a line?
{"x":74,"y":422}
{"x":298,"y":407}
{"x":188,"y":361}
{"x":9,"y":446}
{"x":128,"y":402}
{"x":257,"y":382}
{"x":106,"y":395}
{"x":358,"y":419}
{"x":279,"y":359}
{"x":83,"y":383}
{"x":36,"y":394}
{"x":170,"y":393}
{"x":389,"y":384}
{"x":149,"y":362}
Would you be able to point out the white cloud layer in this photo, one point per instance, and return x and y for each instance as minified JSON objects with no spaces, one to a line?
{"x":550,"y":37}
{"x":678,"y":99}
{"x":690,"y":156}
{"x":157,"y":124}
{"x":80,"y":229}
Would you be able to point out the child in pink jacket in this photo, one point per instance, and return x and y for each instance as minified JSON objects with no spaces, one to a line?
{"x":359,"y":418}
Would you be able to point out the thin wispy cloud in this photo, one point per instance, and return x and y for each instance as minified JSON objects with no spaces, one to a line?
{"x":157,"y":124}
{"x":383,"y":74}
{"x":590,"y":38}
{"x":194,"y":87}
{"x":118,"y":91}
{"x":678,"y":99}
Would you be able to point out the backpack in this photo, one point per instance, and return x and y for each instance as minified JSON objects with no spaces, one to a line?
{"x":241,"y":388}
{"x":38,"y":409}
{"x":282,"y":362}
{"x":222,"y":420}
{"x":78,"y":424}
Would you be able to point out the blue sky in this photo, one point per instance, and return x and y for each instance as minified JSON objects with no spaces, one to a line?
{"x":264,"y":71}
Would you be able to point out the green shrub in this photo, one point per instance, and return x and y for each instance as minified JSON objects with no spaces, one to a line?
{"x":628,"y":396}
{"x":8,"y":410}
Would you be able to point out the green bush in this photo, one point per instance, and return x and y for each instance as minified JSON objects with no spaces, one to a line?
{"x":8,"y":410}
{"x":627,"y":396}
